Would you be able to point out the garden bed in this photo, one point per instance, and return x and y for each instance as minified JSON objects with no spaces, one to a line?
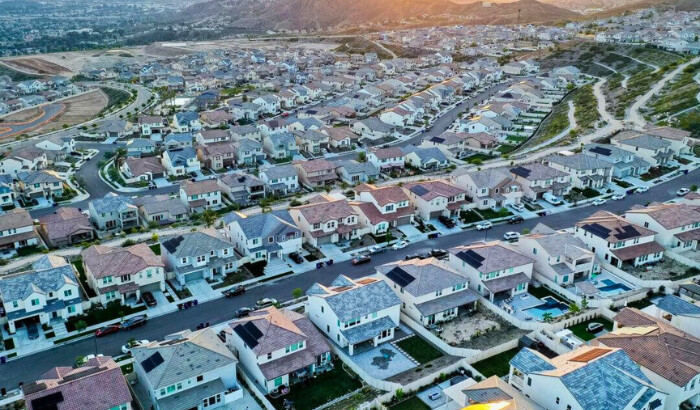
{"x":97,"y":315}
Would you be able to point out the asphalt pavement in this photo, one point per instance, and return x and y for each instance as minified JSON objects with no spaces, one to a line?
{"x":29,"y":368}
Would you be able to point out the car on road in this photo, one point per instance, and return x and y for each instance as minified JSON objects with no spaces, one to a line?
{"x":33,"y":331}
{"x":642,"y":189}
{"x":552,"y":199}
{"x":511,"y":236}
{"x":682,"y":191}
{"x":516,"y":219}
{"x":136,"y":321}
{"x":438,"y":253}
{"x":599,"y":201}
{"x":265,"y":302}
{"x":399,"y":245}
{"x":359,"y":260}
{"x":126,"y":349}
{"x":106,"y":330}
{"x":243,"y":312}
{"x":518,"y":207}
{"x":484,"y":225}
{"x":618,"y":196}
{"x":421,"y":256}
{"x":296,"y":257}
{"x":449,"y":223}
{"x":373,"y":250}
{"x":148,"y":299}
{"x":235,"y":291}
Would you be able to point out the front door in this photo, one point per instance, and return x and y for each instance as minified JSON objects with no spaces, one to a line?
{"x":431,"y":320}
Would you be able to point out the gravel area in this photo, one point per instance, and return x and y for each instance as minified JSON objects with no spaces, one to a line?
{"x":481,"y":330}
{"x":662,"y":270}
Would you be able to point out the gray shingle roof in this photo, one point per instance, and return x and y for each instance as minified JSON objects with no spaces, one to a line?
{"x":362,"y":300}
{"x":280,"y":171}
{"x":112,"y":203}
{"x":578,"y":161}
{"x":195,"y":244}
{"x":21,"y":285}
{"x":264,"y":225}
{"x":430,"y":275}
{"x":677,"y":306}
{"x":366,"y":331}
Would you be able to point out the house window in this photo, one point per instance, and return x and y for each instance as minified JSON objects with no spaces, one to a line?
{"x":200,"y":378}
{"x":201,"y":258}
{"x":107,"y":279}
{"x":529,"y":381}
{"x":269,"y":356}
{"x":184,"y":260}
{"x":15,"y":304}
{"x":271,"y":239}
{"x":67,"y":292}
{"x":35,"y":302}
{"x":557,"y":400}
{"x":71,"y":309}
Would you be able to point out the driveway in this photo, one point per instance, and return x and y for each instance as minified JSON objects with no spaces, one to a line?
{"x":202,"y":291}
{"x":162,"y":306}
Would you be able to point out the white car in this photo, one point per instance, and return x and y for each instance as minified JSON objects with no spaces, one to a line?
{"x":136,"y":343}
{"x":642,"y":189}
{"x":682,"y":191}
{"x":599,"y":201}
{"x":552,"y":199}
{"x":618,"y":196}
{"x":399,"y":245}
{"x":511,"y":236}
{"x":484,"y":225}
{"x":518,"y":207}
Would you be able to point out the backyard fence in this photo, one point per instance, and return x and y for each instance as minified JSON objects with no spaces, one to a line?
{"x":253,"y":388}
{"x":432,"y":338}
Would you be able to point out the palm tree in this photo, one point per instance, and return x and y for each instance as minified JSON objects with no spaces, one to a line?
{"x":547,"y":317}
{"x":573,"y":308}
{"x":584,"y":304}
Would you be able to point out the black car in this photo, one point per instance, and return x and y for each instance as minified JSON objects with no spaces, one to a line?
{"x":296,"y":257}
{"x":516,"y":219}
{"x":243,"y":312}
{"x":422,"y":255}
{"x":361,"y":259}
{"x":238,"y":290}
{"x":33,"y":331}
{"x":148,"y":299}
{"x":438,"y":253}
{"x":449,"y":223}
{"x":134,"y":322}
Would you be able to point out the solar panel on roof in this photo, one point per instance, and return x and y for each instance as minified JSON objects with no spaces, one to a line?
{"x":48,"y":402}
{"x":626,"y":232}
{"x":152,"y":362}
{"x":472,"y":258}
{"x":601,"y":150}
{"x":419,"y":190}
{"x":172,"y":244}
{"x":438,"y":140}
{"x":249,"y":333}
{"x":521,"y":171}
{"x":597,"y":230}
{"x":400,"y":277}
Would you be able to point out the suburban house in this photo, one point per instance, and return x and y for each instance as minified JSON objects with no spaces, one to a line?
{"x":373,"y":128}
{"x":40,"y":296}
{"x":187,"y":370}
{"x":161,"y":209}
{"x":382,"y":208}
{"x":151,"y":124}
{"x":114,"y":212}
{"x":178,"y":140}
{"x":199,"y":255}
{"x":263,"y":236}
{"x":17,"y":229}
{"x":584,"y":170}
{"x":200,"y":195}
{"x":666,"y":355}
{"x":75,"y":388}
{"x":142,"y":169}
{"x":677,"y":226}
{"x":588,"y":378}
{"x":353,"y":172}
{"x":624,"y":163}
{"x":242,"y":188}
{"x":39,"y":184}
{"x":386,"y":159}
{"x":461,"y":144}
{"x":559,"y":255}
{"x":489,"y":393}
{"x":249,"y":152}
{"x":186,"y":121}
{"x":65,"y":227}
{"x":654,"y":150}
{"x":205,"y":137}
{"x":123,"y":273}
{"x":490,"y":188}
{"x":430,"y":291}
{"x":538,"y":179}
{"x":217,"y":155}
{"x":326,"y":220}
{"x":431,"y":199}
{"x":278,"y":347}
{"x":617,"y":240}
{"x":679,"y":312}
{"x":355,"y":314}
{"x":316,"y":172}
{"x":281,"y":146}
{"x":181,"y":161}
{"x":138,"y":147}
{"x":425,"y":159}
{"x":280,"y":179}
{"x":495,"y":271}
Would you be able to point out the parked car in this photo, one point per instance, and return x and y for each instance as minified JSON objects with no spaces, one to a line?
{"x":435,"y":396}
{"x":148,"y":299}
{"x":599,"y":201}
{"x":551,"y":198}
{"x":518,"y":207}
{"x":516,"y":219}
{"x":243,"y":312}
{"x":33,"y":331}
{"x":399,"y":245}
{"x":106,"y":330}
{"x":438,"y":253}
{"x":359,"y":260}
{"x":134,"y":322}
{"x":423,"y":255}
{"x":511,"y":236}
{"x":235,"y":291}
{"x":484,"y":225}
{"x":296,"y":257}
{"x":8,"y":253}
{"x":682,"y":191}
{"x":126,"y":349}
{"x":265,"y":302}
{"x":376,"y":249}
{"x":642,"y":189}
{"x":618,"y":196}
{"x":594,"y":327}
{"x":448,"y":222}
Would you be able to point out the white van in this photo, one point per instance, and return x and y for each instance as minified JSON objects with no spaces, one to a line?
{"x":551,"y":198}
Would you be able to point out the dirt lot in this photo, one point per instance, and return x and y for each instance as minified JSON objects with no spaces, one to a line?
{"x":78,"y":110}
{"x":24,"y":115}
{"x":481,"y":330}
{"x":37,"y":65}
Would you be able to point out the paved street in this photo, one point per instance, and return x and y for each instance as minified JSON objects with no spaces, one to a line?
{"x":31,"y":367}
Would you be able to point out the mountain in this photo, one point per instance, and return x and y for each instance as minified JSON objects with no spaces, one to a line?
{"x":316,"y":14}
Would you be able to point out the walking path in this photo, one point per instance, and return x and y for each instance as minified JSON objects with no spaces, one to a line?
{"x":380,"y":45}
{"x":655,"y":67}
{"x":563,"y":134}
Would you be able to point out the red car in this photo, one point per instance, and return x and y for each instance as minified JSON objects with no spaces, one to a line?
{"x":106,"y":330}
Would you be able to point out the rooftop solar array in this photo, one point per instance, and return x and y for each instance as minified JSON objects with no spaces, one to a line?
{"x":597,"y":230}
{"x":590,"y":355}
{"x":172,"y":244}
{"x":438,"y":140}
{"x":152,"y":362}
{"x":472,"y":258}
{"x":521,"y":171}
{"x":249,"y":333}
{"x":419,"y":190}
{"x":626,"y":232}
{"x":601,"y":150}
{"x":48,"y":402}
{"x":400,"y":277}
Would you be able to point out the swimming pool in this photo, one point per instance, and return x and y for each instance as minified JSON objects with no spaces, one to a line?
{"x":613,"y":288}
{"x":552,"y":306}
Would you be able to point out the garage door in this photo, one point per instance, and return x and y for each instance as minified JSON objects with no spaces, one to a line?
{"x":152,"y":287}
{"x":194,"y":276}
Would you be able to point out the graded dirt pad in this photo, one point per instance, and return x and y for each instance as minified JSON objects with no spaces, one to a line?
{"x":23,"y":116}
{"x":159,"y":50}
{"x":37,"y":65}
{"x":77,"y":110}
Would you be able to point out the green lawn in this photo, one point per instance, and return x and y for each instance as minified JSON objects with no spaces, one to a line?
{"x":489,"y":213}
{"x":469,"y":216}
{"x":414,"y":403}
{"x":496,"y":365}
{"x":542,"y":291}
{"x":155,"y":248}
{"x":324,"y":388}
{"x":580,"y":329}
{"x":419,"y":349}
{"x":95,"y":315}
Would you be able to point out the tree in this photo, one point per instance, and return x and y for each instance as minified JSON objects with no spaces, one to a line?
{"x":584,"y":303}
{"x":80,"y":325}
{"x":362,"y":156}
{"x":297,"y":293}
{"x":694,"y":188}
{"x":573,"y":308}
{"x":547,"y":317}
{"x":209,"y":217}
{"x":154,"y":237}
